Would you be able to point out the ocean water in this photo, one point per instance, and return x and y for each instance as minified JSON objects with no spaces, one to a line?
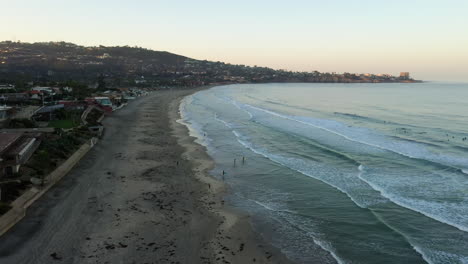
{"x":344,"y":173}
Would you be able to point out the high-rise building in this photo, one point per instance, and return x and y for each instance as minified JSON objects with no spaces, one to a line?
{"x":404,"y":75}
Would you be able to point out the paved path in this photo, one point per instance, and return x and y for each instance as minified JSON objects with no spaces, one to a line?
{"x":26,"y":112}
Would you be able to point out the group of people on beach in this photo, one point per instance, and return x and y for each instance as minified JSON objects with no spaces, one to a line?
{"x":453,"y":137}
{"x":235,"y":160}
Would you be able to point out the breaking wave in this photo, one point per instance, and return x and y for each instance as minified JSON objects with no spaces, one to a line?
{"x":400,"y":149}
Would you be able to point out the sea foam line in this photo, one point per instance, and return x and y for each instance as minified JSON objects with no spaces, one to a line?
{"x":194,"y":129}
{"x":236,"y":104}
{"x":278,"y":161}
{"x":329,"y":249}
{"x":373,"y":186}
{"x":316,"y":241}
{"x":269,"y":208}
{"x":222,"y":121}
{"x":321,"y":244}
{"x":413,"y":208}
{"x":354,"y":140}
{"x":407,"y":239}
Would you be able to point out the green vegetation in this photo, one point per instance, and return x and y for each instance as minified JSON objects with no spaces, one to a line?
{"x":66,"y":119}
{"x":53,"y":150}
{"x":21,"y":123}
{"x":56,"y":148}
{"x":65,"y":124}
{"x":93,"y":117}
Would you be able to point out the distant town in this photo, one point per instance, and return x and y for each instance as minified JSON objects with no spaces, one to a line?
{"x":59,"y":63}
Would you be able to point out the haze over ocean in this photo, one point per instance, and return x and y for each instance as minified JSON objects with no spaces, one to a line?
{"x":348,"y":173}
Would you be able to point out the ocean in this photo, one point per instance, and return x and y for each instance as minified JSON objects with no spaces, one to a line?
{"x":343,"y":173}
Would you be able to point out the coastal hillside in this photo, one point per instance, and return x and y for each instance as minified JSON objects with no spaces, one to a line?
{"x":46,"y":62}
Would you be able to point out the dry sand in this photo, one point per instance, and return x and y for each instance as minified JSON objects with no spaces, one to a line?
{"x":142,"y":195}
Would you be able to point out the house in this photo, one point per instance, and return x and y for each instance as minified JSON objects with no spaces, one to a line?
{"x":101,"y":102}
{"x":140,"y":80}
{"x":404,"y":75}
{"x":14,"y":98}
{"x":24,"y":112}
{"x":42,"y":92}
{"x":57,"y":90}
{"x":15,"y":150}
{"x":73,"y":105}
{"x":104,"y":56}
{"x":35,"y":95}
{"x":48,"y":90}
{"x":46,"y":113}
{"x":7,"y":88}
{"x":5,"y":113}
{"x":67,"y":89}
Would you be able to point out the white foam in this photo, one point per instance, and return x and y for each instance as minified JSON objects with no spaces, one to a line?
{"x":194,"y":128}
{"x":426,"y":253}
{"x":264,"y":205}
{"x":427,"y":211}
{"x":236,"y":104}
{"x":410,"y":150}
{"x":408,"y":239}
{"x":228,"y":125}
{"x":423,"y":255}
{"x":329,"y":248}
{"x":298,"y":165}
{"x":437,"y":256}
{"x":419,"y":206}
{"x":326,"y":246}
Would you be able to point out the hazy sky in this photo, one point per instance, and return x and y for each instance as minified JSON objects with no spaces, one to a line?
{"x":427,"y":38}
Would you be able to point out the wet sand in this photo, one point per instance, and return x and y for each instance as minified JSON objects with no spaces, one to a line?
{"x":142,"y":195}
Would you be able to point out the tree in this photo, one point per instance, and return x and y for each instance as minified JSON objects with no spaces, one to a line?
{"x":101,"y":82}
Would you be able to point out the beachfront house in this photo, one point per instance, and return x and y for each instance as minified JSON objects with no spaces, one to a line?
{"x":5,"y":113}
{"x":48,"y":90}
{"x":47,"y":113}
{"x":101,"y":102}
{"x":7,"y":88}
{"x":14,"y":98}
{"x":15,"y":150}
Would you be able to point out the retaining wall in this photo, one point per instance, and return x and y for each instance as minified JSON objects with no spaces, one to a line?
{"x":21,"y":204}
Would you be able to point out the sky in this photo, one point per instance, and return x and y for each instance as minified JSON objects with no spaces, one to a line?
{"x":427,"y":38}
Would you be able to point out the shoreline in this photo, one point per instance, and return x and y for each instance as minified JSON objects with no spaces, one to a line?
{"x":235,"y":230}
{"x":142,"y":195}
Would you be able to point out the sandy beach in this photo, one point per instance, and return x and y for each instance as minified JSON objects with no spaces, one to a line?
{"x":142,"y":195}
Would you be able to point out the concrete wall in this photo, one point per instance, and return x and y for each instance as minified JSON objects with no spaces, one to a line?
{"x":21,"y":204}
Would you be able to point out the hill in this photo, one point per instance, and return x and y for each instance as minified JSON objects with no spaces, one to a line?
{"x":47,"y":62}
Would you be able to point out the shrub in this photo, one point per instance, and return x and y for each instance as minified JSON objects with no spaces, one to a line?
{"x":21,"y":123}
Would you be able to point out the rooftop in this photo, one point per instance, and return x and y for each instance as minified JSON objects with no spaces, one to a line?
{"x":8,"y":139}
